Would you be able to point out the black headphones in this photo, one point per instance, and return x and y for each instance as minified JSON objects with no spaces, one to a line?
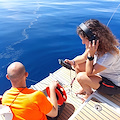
{"x":88,"y":32}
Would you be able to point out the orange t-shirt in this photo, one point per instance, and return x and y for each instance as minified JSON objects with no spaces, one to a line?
{"x":28,"y":104}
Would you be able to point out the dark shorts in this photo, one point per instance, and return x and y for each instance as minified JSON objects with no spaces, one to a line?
{"x":108,"y":87}
{"x":60,"y":109}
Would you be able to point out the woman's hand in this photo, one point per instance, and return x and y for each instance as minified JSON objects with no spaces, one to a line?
{"x":71,"y":62}
{"x":92,"y":47}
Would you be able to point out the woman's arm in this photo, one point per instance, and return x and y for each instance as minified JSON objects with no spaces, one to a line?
{"x":79,"y":59}
{"x":96,"y":69}
{"x":82,"y":58}
{"x":90,"y":68}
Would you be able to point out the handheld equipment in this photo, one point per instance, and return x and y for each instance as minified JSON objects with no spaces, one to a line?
{"x":67,"y":65}
{"x":60,"y":94}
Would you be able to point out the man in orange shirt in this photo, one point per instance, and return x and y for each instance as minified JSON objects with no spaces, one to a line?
{"x":25,"y":103}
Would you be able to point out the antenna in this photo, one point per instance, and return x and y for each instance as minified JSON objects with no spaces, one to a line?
{"x":113,"y":15}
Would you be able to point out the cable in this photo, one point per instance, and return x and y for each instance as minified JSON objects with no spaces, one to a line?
{"x":32,"y":80}
{"x":113,"y":15}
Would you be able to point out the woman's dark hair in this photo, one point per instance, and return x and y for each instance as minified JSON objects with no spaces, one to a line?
{"x":107,"y":41}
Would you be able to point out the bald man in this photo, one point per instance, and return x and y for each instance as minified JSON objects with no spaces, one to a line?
{"x":25,"y":103}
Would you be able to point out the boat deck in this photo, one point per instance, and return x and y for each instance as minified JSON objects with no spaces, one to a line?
{"x":97,"y":106}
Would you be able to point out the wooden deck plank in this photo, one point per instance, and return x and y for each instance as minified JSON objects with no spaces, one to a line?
{"x":93,"y":114}
{"x":96,"y":112}
{"x":93,"y":111}
{"x":106,"y":110}
{"x":115,"y":98}
{"x":73,"y":103}
{"x":68,"y":111}
{"x":79,"y":117}
{"x":87,"y":114}
{"x":84,"y":115}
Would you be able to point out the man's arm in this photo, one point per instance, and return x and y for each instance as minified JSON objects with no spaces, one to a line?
{"x":0,"y":99}
{"x":53,"y":100}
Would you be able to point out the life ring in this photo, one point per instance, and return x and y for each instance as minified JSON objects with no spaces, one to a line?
{"x":60,"y":94}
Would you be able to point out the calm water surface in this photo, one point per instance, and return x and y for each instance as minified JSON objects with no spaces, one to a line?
{"x":39,"y":32}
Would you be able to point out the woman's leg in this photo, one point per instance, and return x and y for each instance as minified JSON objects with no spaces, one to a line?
{"x":80,"y":67}
{"x":88,"y":82}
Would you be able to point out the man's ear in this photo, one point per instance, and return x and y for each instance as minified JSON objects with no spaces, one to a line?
{"x":7,"y":77}
{"x":26,"y":74}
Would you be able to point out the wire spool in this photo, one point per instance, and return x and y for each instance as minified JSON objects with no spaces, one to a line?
{"x":60,"y":94}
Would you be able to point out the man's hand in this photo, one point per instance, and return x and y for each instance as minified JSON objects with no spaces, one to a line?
{"x":53,"y":85}
{"x":0,"y":99}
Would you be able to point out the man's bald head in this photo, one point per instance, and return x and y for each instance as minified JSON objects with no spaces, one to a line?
{"x":15,"y":71}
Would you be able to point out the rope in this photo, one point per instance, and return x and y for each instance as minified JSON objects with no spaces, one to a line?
{"x":113,"y":15}
{"x":32,"y":80}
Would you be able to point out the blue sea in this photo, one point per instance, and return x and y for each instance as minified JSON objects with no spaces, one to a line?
{"x":39,"y":32}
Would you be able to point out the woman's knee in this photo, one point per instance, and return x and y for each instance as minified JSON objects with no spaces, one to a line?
{"x":80,"y":77}
{"x":80,"y":67}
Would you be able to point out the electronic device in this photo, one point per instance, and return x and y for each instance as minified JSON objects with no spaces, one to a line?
{"x":88,"y":32}
{"x":66,"y":65}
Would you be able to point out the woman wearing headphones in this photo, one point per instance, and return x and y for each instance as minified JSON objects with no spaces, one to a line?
{"x":99,"y":66}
